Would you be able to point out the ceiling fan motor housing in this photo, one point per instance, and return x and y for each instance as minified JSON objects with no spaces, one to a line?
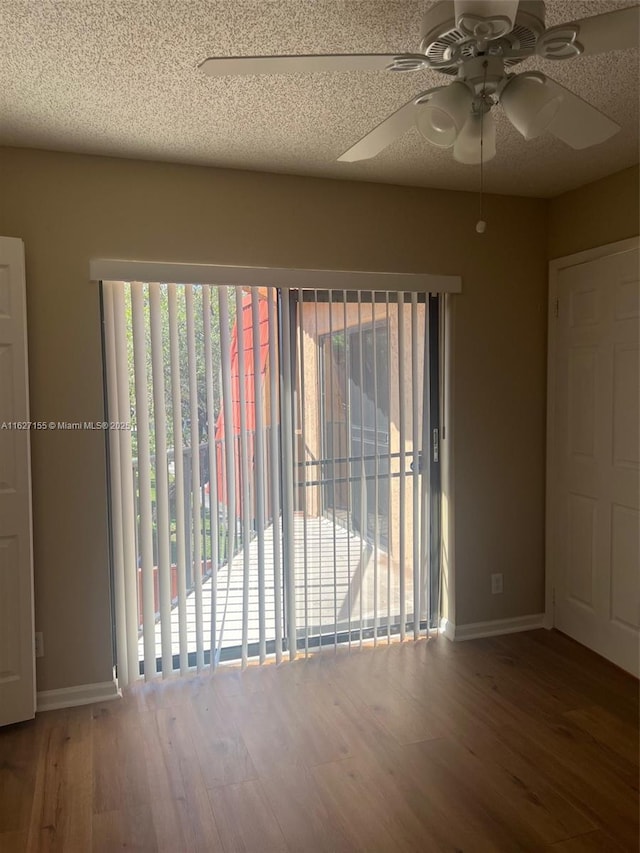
{"x":483,"y":74}
{"x":448,"y":46}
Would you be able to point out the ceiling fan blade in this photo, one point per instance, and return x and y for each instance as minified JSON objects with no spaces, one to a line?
{"x":387,"y":131}
{"x":577,"y":122}
{"x":616,"y":30}
{"x":218,"y":66}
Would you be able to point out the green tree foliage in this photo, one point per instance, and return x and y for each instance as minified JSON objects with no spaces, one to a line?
{"x":199,"y":320}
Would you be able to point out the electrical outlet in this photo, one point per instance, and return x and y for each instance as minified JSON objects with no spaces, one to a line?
{"x":39,"y":644}
{"x":496,"y":584}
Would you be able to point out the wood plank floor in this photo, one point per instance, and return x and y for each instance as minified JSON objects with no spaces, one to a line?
{"x":520,"y":743}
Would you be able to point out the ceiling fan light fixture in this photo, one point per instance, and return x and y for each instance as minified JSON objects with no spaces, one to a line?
{"x":441,"y":118}
{"x":476,"y":140}
{"x":530,"y":103}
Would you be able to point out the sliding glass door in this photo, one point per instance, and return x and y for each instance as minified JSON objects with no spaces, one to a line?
{"x":364,"y":546}
{"x":276,"y":492}
{"x":355,"y":423}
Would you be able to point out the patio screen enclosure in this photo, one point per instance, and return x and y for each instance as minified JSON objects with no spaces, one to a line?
{"x":277,"y":490}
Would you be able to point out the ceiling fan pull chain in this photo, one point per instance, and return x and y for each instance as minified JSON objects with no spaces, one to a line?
{"x":481,"y":225}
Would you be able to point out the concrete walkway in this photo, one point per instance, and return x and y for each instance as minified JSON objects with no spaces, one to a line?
{"x":343,"y":579}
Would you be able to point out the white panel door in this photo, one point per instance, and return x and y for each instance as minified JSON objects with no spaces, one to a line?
{"x":595,"y":506}
{"x":17,"y":665}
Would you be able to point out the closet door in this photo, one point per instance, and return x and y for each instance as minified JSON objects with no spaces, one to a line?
{"x":595,"y":511}
{"x":17,"y":665}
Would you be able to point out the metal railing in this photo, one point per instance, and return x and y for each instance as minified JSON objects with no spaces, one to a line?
{"x":215,"y":513}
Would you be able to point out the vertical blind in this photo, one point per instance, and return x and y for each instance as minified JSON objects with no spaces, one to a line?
{"x":272,"y":495}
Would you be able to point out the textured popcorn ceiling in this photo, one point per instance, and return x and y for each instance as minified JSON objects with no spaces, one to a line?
{"x":119,"y":77}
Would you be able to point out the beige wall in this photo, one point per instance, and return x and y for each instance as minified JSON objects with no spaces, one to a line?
{"x":69,"y":208}
{"x":602,"y":212}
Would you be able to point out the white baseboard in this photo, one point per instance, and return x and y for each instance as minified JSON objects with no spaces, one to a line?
{"x":81,"y":694}
{"x":448,"y":629}
{"x":495,"y":628}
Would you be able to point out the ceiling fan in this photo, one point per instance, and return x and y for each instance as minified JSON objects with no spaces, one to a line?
{"x":477,"y":42}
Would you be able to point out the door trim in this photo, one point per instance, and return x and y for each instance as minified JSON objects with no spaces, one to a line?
{"x":555,"y":267}
{"x":18,"y":686}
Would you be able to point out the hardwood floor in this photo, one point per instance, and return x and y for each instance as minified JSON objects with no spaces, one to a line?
{"x":527,"y":742}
